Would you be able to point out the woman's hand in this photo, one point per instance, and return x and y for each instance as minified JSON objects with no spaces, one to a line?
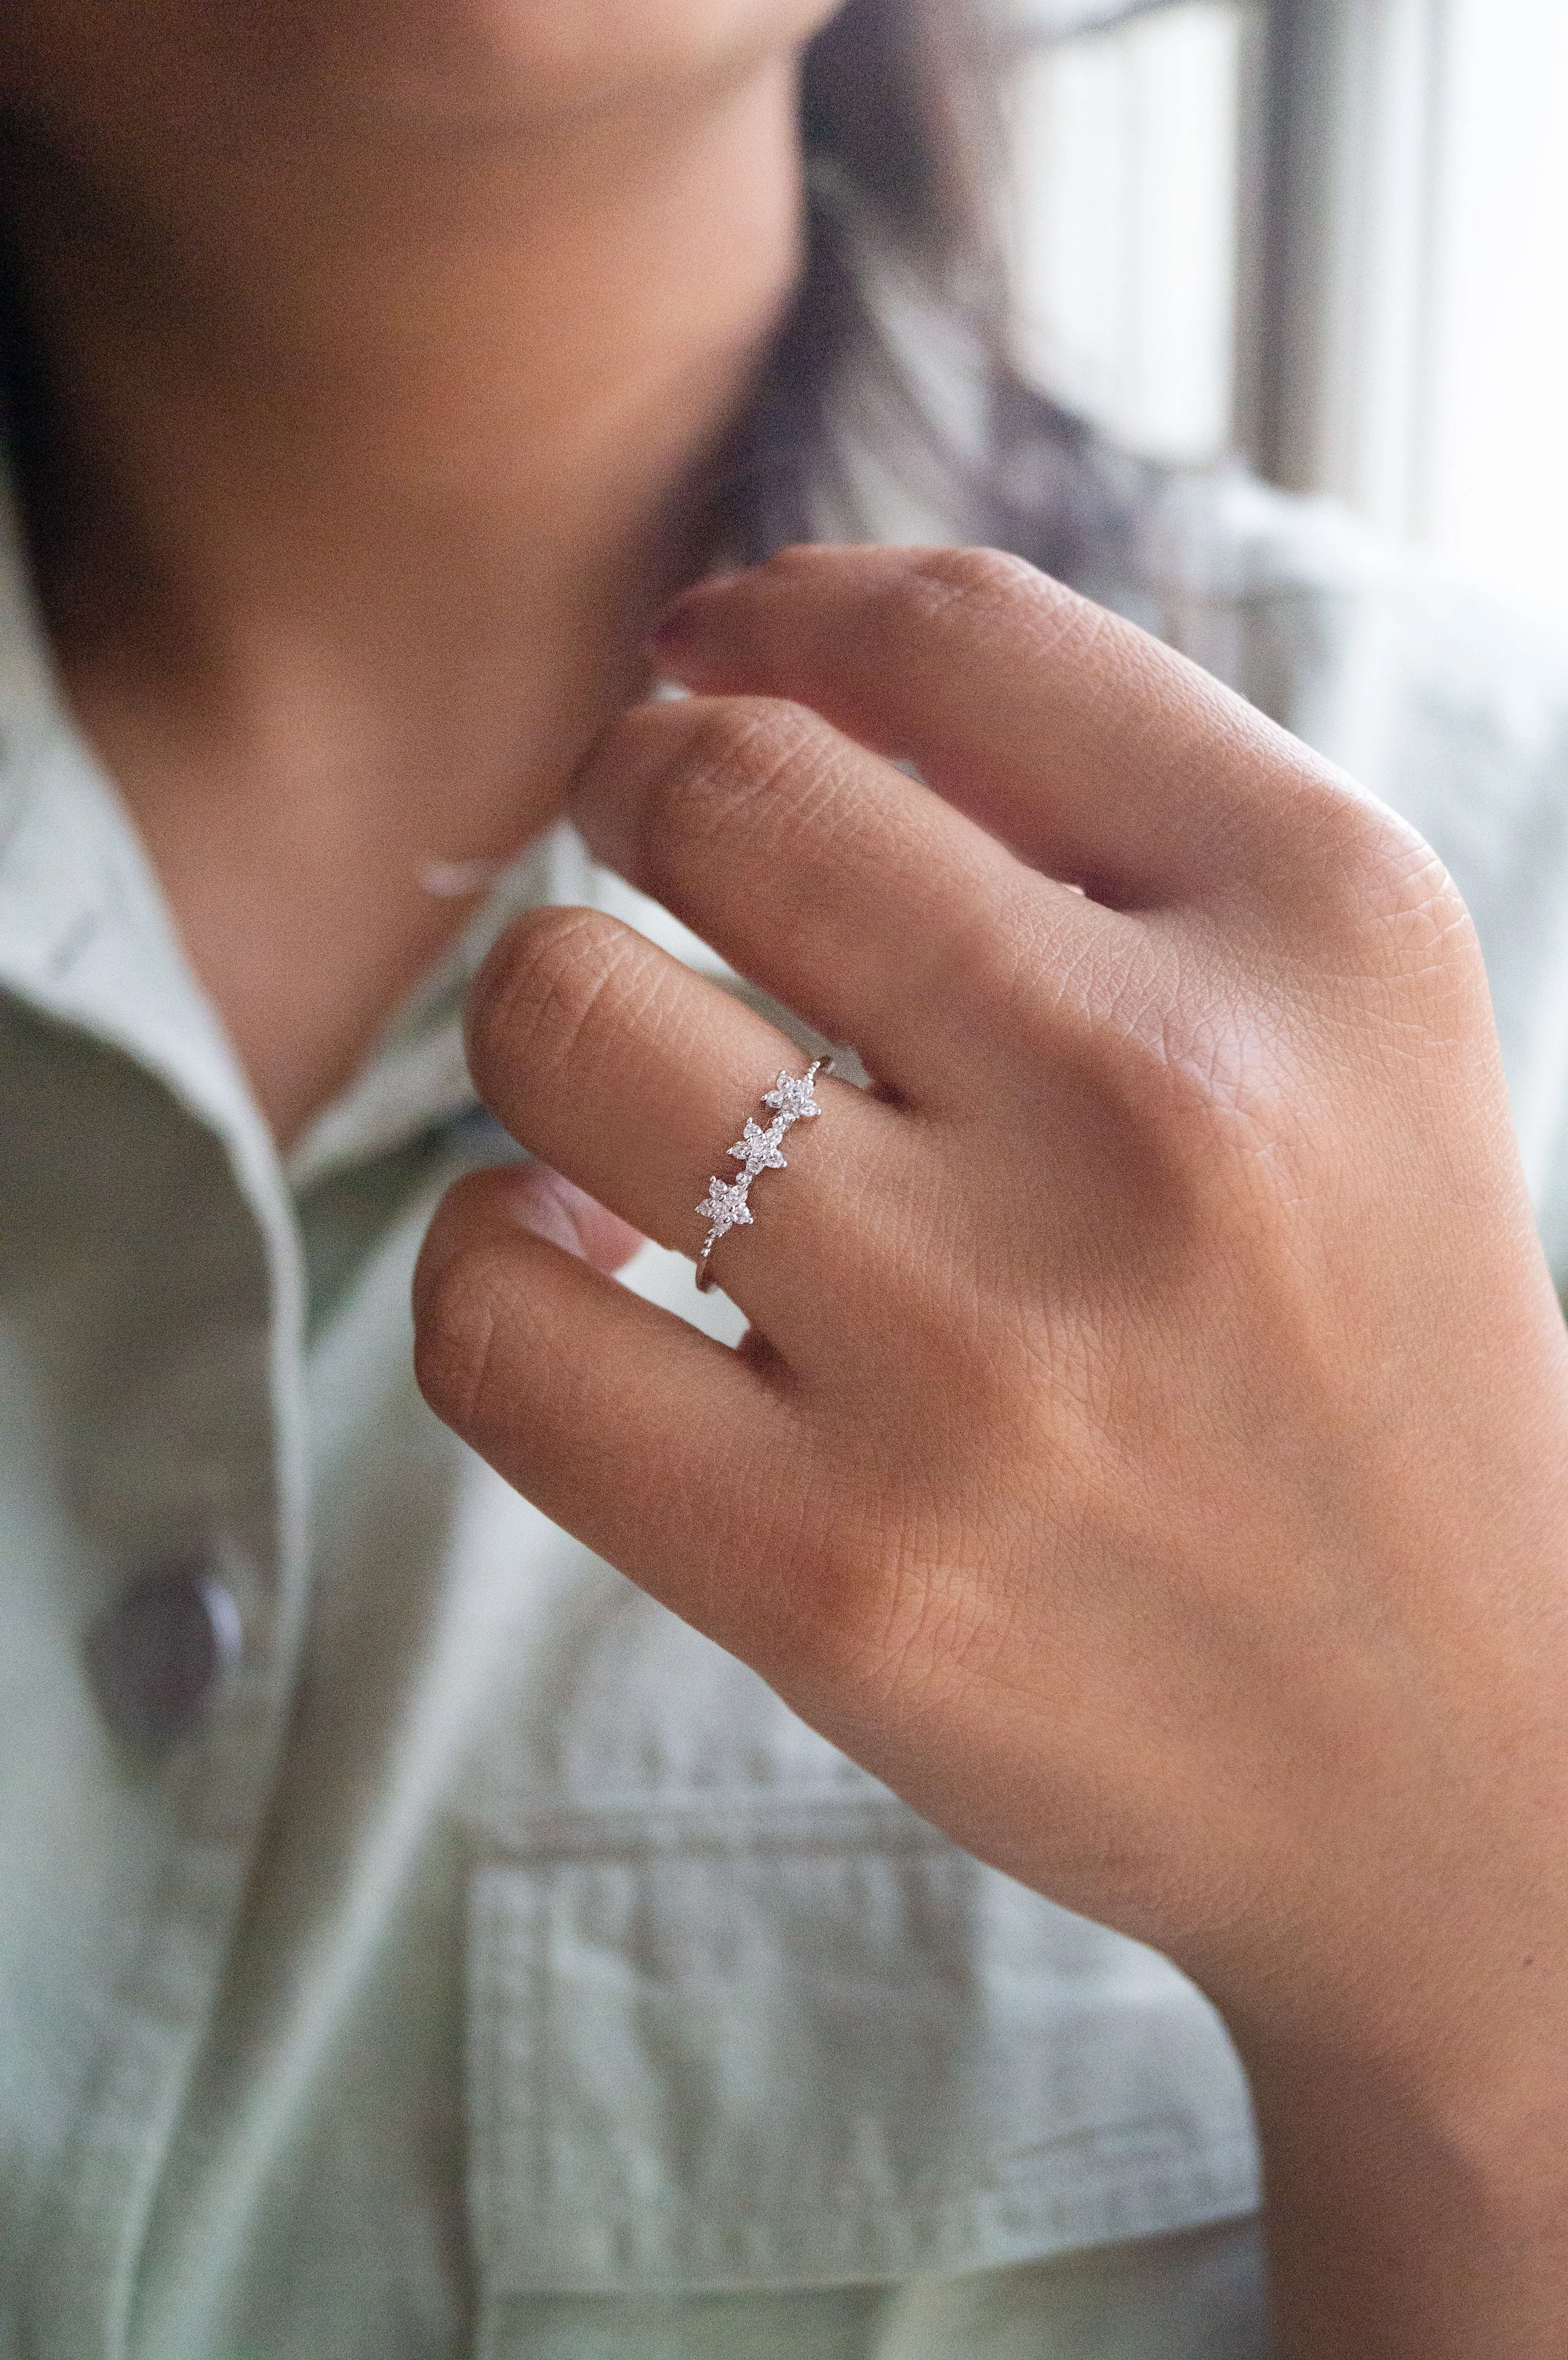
{"x":1150,"y":1451}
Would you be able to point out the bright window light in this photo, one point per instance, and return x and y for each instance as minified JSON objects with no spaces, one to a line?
{"x":1492,"y":470}
{"x":1411,"y":278}
{"x":1123,"y":225}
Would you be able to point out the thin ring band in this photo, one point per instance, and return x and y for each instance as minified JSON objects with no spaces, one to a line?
{"x":727,"y":1202}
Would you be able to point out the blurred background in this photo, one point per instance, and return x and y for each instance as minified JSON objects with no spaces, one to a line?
{"x":1330,"y":234}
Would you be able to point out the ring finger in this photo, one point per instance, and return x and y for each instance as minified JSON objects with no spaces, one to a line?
{"x":635,"y":1078}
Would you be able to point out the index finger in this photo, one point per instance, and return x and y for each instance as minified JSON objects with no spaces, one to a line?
{"x":1099,"y":754}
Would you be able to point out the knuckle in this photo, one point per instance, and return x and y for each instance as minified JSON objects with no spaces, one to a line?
{"x":989,"y":574}
{"x":1379,"y":887}
{"x":537,"y":990}
{"x":982,"y":597}
{"x":967,"y":584}
{"x":925,"y":580}
{"x":740,"y":752}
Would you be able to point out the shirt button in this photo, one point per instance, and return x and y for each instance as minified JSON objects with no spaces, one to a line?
{"x":159,"y":1656}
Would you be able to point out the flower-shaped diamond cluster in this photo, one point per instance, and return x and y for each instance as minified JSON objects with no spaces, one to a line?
{"x":793,"y":1098}
{"x":759,"y":1150}
{"x":726,"y":1205}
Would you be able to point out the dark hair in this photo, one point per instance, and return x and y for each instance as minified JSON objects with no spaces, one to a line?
{"x":901,"y":123}
{"x":904,"y":139}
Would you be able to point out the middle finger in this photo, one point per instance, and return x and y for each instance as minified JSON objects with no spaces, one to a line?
{"x":850,"y":893}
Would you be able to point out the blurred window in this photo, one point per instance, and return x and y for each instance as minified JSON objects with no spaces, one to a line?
{"x":1332,"y":232}
{"x":1127,"y":145}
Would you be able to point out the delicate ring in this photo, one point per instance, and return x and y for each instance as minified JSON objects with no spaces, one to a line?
{"x":725,"y":1206}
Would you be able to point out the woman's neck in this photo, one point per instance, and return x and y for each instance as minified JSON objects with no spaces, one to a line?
{"x":374,"y":467}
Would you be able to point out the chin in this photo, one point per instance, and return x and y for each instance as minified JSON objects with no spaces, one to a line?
{"x":441,"y":62}
{"x":497,"y":59}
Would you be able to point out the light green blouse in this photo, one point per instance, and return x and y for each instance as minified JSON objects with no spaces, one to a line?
{"x":496,"y":1968}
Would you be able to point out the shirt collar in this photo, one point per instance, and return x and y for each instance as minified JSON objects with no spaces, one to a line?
{"x":87,"y":938}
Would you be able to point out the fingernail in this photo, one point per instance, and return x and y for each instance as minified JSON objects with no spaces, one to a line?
{"x":543,"y":1201}
{"x":684,"y":633}
{"x":553,"y":1207}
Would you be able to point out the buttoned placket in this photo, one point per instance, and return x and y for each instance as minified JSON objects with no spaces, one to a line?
{"x":206,"y":1451}
{"x":199,"y":1495}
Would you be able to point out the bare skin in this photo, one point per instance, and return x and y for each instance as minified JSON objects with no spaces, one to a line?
{"x":387,"y":339}
{"x":1150,"y":1451}
{"x":1155,"y":1415}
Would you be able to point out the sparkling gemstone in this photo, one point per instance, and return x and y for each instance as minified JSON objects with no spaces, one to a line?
{"x":759,"y":1150}
{"x":793,"y":1096}
{"x":726,"y":1207}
